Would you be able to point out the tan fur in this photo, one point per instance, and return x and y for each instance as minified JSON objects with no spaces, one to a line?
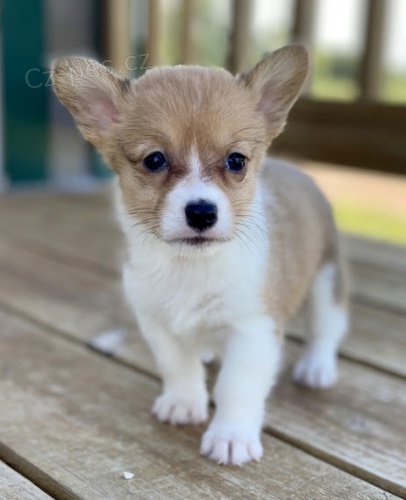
{"x":180,"y":109}
{"x":199,"y":109}
{"x":303,"y":236}
{"x":194,"y":120}
{"x":289,"y":67}
{"x":232,"y":241}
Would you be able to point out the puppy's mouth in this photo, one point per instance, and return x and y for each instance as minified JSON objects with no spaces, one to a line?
{"x":198,"y":241}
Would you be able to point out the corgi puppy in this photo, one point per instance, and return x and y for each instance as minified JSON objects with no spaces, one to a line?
{"x":223,"y":243}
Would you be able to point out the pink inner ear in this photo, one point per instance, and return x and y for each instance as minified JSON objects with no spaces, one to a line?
{"x":102,"y":111}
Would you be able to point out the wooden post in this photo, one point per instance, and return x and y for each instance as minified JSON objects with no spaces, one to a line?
{"x":187,"y":48}
{"x":154,"y":32}
{"x":303,"y":29}
{"x":118,"y":29}
{"x":370,"y":77}
{"x":240,"y":35}
{"x":303,"y":22}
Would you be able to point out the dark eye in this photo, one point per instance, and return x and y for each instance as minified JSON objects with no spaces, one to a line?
{"x":155,"y":162}
{"x":236,"y":162}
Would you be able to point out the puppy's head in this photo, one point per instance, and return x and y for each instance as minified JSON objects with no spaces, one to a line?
{"x":186,"y":141}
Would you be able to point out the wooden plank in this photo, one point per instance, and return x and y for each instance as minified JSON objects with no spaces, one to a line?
{"x":377,"y":338}
{"x":76,"y":421}
{"x":77,"y":301}
{"x":72,"y":301}
{"x":386,"y":290}
{"x":381,"y":255}
{"x":358,"y":426}
{"x":58,"y":223}
{"x":357,"y":134}
{"x":13,"y":486}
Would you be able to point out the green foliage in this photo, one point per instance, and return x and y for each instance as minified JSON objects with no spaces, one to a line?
{"x":335,"y":77}
{"x":370,"y":221}
{"x":210,"y":33}
{"x":394,"y":87}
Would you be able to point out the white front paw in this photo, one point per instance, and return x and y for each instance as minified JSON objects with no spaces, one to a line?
{"x":231,"y":445}
{"x":316,"y":371}
{"x":181,"y":410}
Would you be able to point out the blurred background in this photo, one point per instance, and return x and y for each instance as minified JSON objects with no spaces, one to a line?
{"x":348,"y":130}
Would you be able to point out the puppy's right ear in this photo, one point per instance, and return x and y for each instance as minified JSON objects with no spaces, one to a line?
{"x":92,"y":93}
{"x":276,"y":81}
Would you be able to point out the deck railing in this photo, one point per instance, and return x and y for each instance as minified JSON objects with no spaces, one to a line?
{"x":364,"y":133}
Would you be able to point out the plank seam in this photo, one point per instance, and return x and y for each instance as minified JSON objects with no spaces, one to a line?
{"x":61,"y":256}
{"x":35,"y":475}
{"x":354,"y":470}
{"x":376,"y":304}
{"x":74,"y":341}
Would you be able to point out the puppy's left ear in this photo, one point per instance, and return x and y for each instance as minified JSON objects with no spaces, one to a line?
{"x":277,"y":80}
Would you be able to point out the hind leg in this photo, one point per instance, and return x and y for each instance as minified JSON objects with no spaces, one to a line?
{"x":329,"y":318}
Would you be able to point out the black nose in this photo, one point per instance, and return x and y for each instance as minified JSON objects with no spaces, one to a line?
{"x":201,"y":215}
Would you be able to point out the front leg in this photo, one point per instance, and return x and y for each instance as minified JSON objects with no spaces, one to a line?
{"x":249,"y":368}
{"x":184,"y":399}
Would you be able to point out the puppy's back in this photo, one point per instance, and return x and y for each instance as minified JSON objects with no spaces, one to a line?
{"x":302,"y":232}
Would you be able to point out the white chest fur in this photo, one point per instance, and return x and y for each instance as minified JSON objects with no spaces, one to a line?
{"x":201,"y":291}
{"x":193,"y":294}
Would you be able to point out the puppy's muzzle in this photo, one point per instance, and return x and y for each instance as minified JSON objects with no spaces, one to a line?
{"x":201,"y":215}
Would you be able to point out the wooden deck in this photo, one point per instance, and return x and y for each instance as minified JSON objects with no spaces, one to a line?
{"x":73,"y":419}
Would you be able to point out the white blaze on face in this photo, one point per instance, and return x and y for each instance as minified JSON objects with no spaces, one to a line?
{"x":191,"y":189}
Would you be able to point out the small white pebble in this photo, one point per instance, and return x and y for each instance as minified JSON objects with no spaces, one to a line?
{"x":128,"y":475}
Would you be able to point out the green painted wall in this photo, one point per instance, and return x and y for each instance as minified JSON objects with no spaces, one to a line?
{"x":25,"y":92}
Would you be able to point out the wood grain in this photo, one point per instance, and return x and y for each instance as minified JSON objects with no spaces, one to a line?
{"x":359,"y":425}
{"x":76,"y":421}
{"x":377,"y":338}
{"x":383,"y":289}
{"x":13,"y":486}
{"x":57,"y":292}
{"x":73,"y":227}
{"x":382,"y":255}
